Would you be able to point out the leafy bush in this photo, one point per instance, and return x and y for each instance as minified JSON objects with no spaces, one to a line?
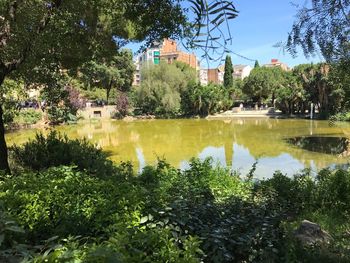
{"x":293,"y":194}
{"x":122,"y":105}
{"x":62,"y":100}
{"x":63,"y":201}
{"x":28,"y":116}
{"x":203,"y":214}
{"x":55,"y":149}
{"x":205,"y":100}
{"x":333,"y":191}
{"x":343,"y":116}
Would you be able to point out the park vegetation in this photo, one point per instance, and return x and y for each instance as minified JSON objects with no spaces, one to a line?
{"x":65,"y":208}
{"x":65,"y":201}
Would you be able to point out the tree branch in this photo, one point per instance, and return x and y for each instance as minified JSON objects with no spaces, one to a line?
{"x":13,"y":65}
{"x":6,"y":29}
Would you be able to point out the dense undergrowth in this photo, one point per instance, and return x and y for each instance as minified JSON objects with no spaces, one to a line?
{"x":65,"y":210}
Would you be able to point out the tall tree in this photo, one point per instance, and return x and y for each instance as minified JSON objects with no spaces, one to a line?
{"x":228,"y":75}
{"x":256,"y":65}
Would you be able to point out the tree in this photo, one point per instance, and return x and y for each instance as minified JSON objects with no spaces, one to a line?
{"x":161,"y":87}
{"x":322,"y":26}
{"x":116,"y":73}
{"x":38,"y":34}
{"x":228,"y":75}
{"x":290,"y":95}
{"x":62,"y":100}
{"x":262,"y":83}
{"x":205,"y":100}
{"x":319,"y":87}
{"x":60,"y":34}
{"x":256,"y":65}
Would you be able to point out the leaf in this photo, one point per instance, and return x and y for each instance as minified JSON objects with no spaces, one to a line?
{"x":143,"y":219}
{"x":2,"y":237}
{"x":14,"y":229}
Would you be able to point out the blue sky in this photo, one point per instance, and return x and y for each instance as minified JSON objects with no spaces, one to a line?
{"x":259,"y":26}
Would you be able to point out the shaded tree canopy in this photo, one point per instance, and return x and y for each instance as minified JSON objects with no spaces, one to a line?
{"x":45,"y":36}
{"x":322,"y":26}
{"x":107,"y":73}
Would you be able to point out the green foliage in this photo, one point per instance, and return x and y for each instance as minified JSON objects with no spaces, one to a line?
{"x":55,"y":149}
{"x":161,"y":88}
{"x":71,"y":203}
{"x":292,"y":92}
{"x":262,"y":83}
{"x":10,"y":235}
{"x":11,"y":93}
{"x":321,"y":27}
{"x":205,"y":100}
{"x":116,"y":73}
{"x":228,"y":77}
{"x":62,"y":100}
{"x":28,"y":116}
{"x":342,"y":116}
{"x":256,"y":65}
{"x":290,"y":95}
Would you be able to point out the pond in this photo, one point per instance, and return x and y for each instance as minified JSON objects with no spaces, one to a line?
{"x":237,"y":143}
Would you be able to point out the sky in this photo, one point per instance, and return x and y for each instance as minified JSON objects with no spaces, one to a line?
{"x":259,"y":26}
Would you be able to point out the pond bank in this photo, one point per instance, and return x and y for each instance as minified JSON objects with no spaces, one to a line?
{"x":247,"y":114}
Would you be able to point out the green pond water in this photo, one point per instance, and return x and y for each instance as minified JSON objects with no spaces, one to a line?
{"x":285,"y":145}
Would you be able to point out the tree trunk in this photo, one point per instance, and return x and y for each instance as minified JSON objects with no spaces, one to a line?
{"x":4,"y":165}
{"x":107,"y":95}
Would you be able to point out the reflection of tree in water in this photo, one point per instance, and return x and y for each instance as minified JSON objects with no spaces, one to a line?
{"x":180,"y":140}
{"x":328,"y":145}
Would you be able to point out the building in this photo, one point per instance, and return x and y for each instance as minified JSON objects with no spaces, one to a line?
{"x":241,"y":71}
{"x":216,"y":75}
{"x":213,"y":75}
{"x":276,"y":63}
{"x":167,"y":51}
{"x":170,"y":53}
{"x":151,"y":56}
{"x":203,"y":77}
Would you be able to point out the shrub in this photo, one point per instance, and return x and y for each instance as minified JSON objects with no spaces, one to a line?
{"x":122,"y":105}
{"x":55,"y":150}
{"x":29,"y":116}
{"x":333,"y":191}
{"x":293,"y":194}
{"x":63,"y":201}
{"x":203,"y":214}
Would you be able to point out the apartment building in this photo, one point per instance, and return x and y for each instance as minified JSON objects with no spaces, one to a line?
{"x":276,"y":63}
{"x":241,"y":71}
{"x":216,"y":75}
{"x":167,"y":51}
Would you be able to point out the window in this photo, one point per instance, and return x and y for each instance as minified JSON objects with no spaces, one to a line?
{"x":156,"y":61}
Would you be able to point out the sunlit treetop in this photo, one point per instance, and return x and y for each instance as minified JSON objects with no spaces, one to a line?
{"x":322,"y":26}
